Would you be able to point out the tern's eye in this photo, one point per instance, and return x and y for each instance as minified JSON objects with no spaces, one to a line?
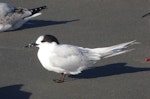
{"x":42,"y":41}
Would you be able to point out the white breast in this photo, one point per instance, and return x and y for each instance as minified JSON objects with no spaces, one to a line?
{"x":46,"y":59}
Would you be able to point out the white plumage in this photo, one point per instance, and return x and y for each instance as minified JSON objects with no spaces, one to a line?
{"x":69,"y":59}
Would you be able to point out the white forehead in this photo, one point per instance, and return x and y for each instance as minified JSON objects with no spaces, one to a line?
{"x":40,"y":38}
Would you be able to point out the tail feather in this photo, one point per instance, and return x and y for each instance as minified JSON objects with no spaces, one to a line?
{"x":125,"y":45}
{"x":121,"y":52}
{"x":146,"y":15}
{"x":114,"y":50}
{"x":37,"y":10}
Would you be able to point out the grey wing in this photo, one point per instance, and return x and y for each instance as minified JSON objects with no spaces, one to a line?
{"x":21,"y":13}
{"x":15,"y":16}
{"x":90,"y":56}
{"x":69,"y":58}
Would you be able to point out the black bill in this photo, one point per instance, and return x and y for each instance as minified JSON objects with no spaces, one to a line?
{"x":31,"y":45}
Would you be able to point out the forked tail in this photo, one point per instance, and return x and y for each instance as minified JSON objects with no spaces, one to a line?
{"x":114,"y":50}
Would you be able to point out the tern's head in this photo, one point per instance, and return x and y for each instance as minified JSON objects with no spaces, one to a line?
{"x":44,"y":39}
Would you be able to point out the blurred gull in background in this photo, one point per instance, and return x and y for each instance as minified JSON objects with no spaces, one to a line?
{"x":12,"y":18}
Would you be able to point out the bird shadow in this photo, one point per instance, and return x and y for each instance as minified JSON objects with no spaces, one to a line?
{"x":42,"y":23}
{"x":13,"y":92}
{"x":109,"y":70}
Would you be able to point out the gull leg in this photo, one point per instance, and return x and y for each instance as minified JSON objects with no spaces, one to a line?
{"x":62,"y":77}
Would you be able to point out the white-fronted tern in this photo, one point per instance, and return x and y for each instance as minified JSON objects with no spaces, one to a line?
{"x":69,"y":59}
